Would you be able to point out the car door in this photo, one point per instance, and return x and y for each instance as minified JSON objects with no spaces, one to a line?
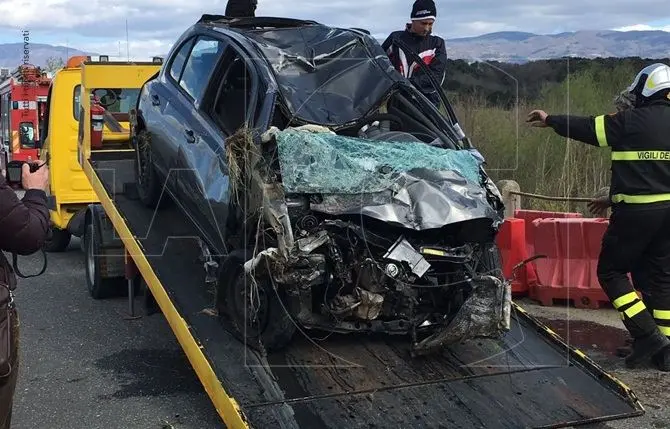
{"x":197,"y":145}
{"x":225,"y":108}
{"x":160,"y":115}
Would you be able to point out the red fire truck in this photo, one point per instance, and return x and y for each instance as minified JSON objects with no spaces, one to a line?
{"x":23,"y":96}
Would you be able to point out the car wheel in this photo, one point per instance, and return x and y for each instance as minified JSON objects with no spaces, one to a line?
{"x":272,"y":326}
{"x":146,"y":179}
{"x":59,"y":240}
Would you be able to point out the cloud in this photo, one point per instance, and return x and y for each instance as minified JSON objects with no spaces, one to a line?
{"x":154,"y":24}
{"x":643,"y":27}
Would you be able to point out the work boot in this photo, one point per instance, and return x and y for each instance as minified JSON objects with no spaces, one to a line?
{"x":646,"y":347}
{"x":662,"y":359}
{"x":626,"y":349}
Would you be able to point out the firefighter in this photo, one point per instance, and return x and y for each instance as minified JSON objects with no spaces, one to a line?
{"x":639,"y":272}
{"x":417,"y":36}
{"x":639,"y":229}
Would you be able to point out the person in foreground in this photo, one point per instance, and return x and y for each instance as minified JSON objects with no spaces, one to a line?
{"x":24,"y":227}
{"x":638,"y":234}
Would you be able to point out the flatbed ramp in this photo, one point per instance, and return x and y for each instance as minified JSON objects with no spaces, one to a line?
{"x":528,"y":379}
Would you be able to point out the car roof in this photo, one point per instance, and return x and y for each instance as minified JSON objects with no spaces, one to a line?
{"x":346,"y":68}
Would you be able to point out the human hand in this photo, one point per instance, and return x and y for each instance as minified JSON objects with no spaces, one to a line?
{"x":599,"y":206}
{"x":537,"y":118}
{"x":37,"y":180}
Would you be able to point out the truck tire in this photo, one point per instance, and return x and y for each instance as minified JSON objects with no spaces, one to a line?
{"x":147,"y":181}
{"x":275,"y":327}
{"x":98,"y":286}
{"x":59,"y":241}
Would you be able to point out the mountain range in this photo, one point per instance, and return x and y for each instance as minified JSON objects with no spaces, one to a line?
{"x":520,"y":47}
{"x":507,"y":46}
{"x":12,"y":54}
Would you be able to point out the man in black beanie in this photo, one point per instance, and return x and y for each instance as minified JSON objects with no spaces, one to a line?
{"x":417,"y":37}
{"x":241,"y":8}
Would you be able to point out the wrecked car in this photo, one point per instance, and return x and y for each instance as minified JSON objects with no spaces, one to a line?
{"x":330,"y":194}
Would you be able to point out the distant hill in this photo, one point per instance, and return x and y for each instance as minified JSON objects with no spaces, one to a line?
{"x":506,"y":46}
{"x":11,"y":54}
{"x":519,"y":47}
{"x":502,"y":84}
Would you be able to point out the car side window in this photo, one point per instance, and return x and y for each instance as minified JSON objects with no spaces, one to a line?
{"x":234,"y":93}
{"x":200,"y":63}
{"x":177,"y":65}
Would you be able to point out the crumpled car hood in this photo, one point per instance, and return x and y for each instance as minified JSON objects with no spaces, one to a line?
{"x":408,"y":184}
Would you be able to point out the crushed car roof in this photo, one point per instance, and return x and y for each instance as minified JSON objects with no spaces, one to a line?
{"x":326,"y":75}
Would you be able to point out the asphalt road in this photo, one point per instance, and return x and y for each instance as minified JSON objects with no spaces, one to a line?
{"x":85,"y":365}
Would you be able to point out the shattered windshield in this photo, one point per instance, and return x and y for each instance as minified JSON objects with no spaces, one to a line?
{"x":329,"y":163}
{"x":410,"y":184}
{"x":326,"y":76}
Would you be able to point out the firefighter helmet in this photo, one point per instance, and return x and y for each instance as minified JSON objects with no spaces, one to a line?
{"x":650,"y":80}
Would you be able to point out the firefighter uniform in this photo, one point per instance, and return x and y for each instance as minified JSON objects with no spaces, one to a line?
{"x":638,"y":234}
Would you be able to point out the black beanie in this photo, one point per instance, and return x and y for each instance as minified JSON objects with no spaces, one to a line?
{"x":423,"y":9}
{"x":241,"y":8}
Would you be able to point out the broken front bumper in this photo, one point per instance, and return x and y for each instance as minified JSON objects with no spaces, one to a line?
{"x":485,"y":313}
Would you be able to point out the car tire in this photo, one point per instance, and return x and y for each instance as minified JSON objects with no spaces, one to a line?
{"x":276,"y":326}
{"x":59,"y":240}
{"x":147,"y":182}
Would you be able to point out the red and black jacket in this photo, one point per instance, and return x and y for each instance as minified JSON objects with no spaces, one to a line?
{"x":430,"y":48}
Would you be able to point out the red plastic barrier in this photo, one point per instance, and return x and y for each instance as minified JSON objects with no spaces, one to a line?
{"x":511,"y":240}
{"x":572,"y":247}
{"x":530,"y":215}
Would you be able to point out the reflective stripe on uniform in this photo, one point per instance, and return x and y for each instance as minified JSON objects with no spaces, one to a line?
{"x":635,"y":309}
{"x":662,"y":318}
{"x":624,"y":299}
{"x":629,"y":305}
{"x":641,"y":155}
{"x":600,"y":131}
{"x":640,"y":199}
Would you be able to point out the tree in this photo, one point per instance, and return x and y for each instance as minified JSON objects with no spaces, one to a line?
{"x":53,"y":64}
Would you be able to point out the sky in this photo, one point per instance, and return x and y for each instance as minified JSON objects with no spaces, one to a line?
{"x":153,"y":25}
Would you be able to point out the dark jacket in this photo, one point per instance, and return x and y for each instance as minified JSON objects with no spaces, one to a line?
{"x":430,"y":48}
{"x":640,"y":143}
{"x":24,"y":227}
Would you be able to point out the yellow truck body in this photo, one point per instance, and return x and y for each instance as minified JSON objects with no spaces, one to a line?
{"x":70,"y":191}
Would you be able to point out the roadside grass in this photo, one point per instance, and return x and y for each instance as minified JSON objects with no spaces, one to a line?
{"x":538,"y":159}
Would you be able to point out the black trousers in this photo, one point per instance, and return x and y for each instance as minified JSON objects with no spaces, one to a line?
{"x":638,"y":241}
{"x":8,"y":381}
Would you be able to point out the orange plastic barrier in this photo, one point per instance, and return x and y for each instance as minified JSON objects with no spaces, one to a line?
{"x":572,"y":247}
{"x":511,"y":240}
{"x":530,"y":215}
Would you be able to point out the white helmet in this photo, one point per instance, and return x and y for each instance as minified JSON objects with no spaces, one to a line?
{"x":650,"y":80}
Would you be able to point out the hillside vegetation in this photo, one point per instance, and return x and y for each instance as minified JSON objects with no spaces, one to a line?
{"x":542,"y":162}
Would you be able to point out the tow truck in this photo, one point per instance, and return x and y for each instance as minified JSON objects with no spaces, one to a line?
{"x":70,"y":192}
{"x":529,"y":378}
